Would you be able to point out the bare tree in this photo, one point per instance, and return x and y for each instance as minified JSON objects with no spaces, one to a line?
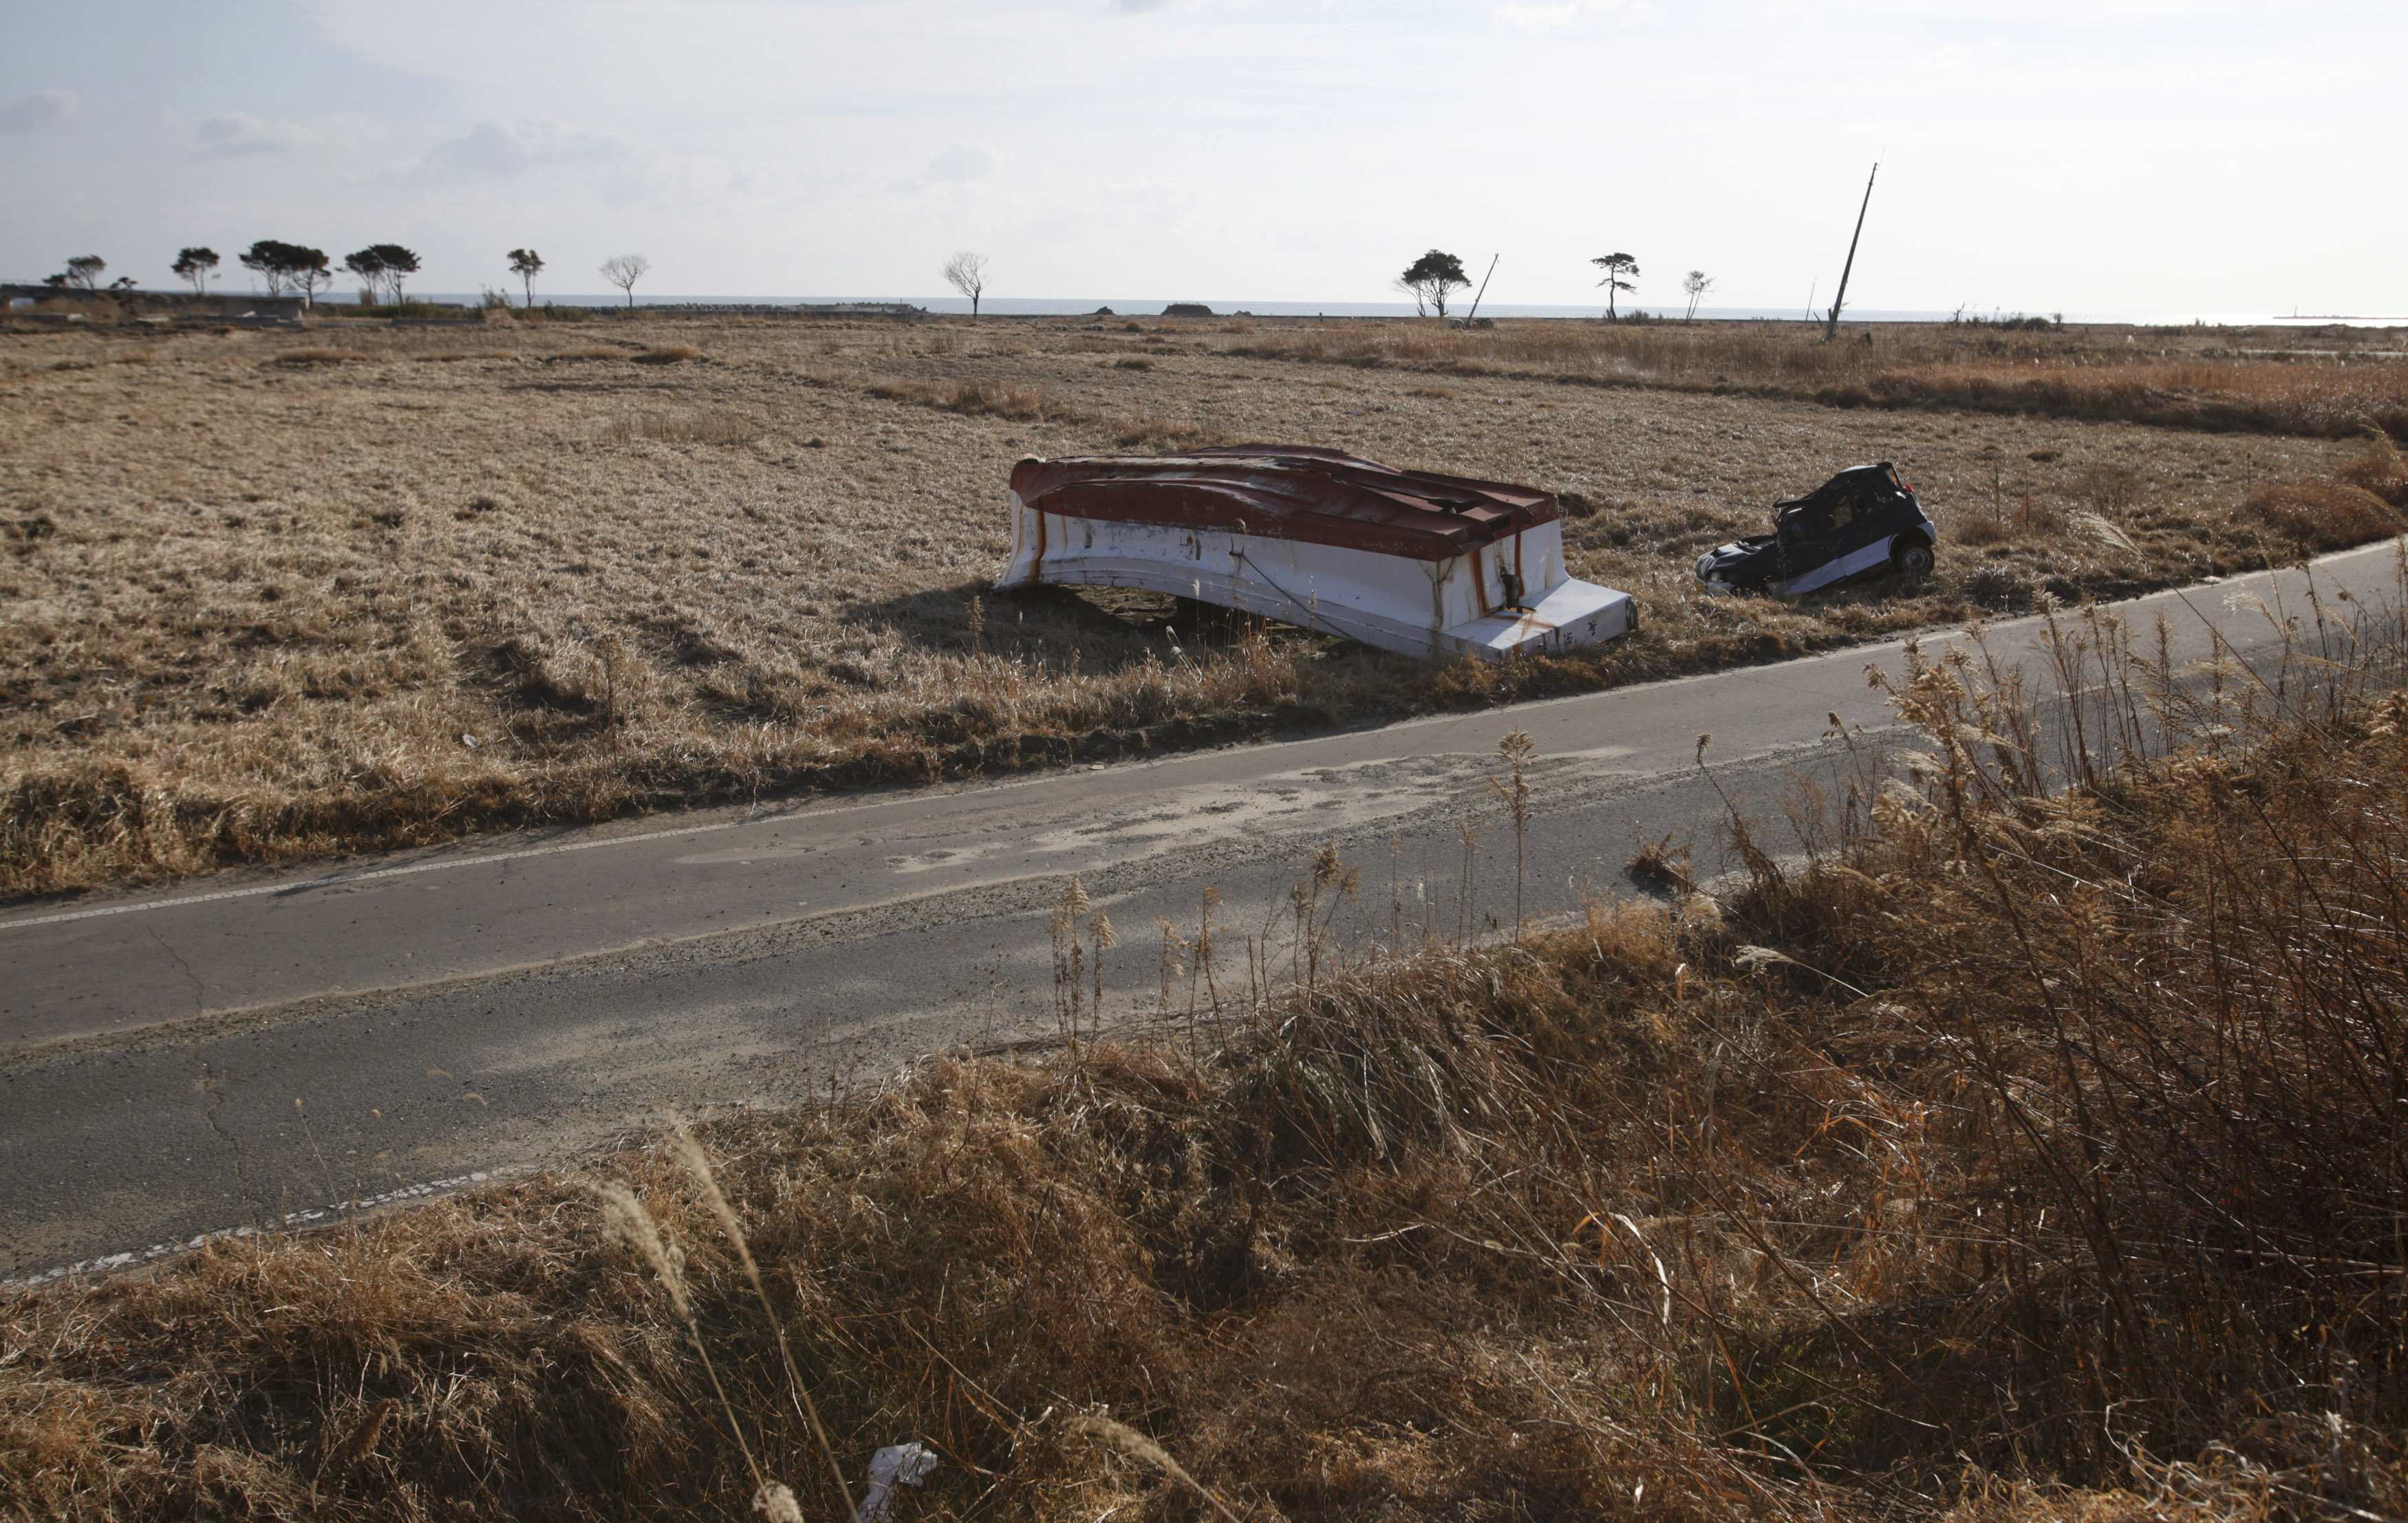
{"x":197,"y":264}
{"x":83,"y":271}
{"x":623,"y":271}
{"x":965,"y":271}
{"x":526,"y":264}
{"x":1697,"y":283}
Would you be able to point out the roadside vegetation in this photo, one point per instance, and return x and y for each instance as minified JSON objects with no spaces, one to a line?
{"x":276,"y":595}
{"x":2010,"y":1154}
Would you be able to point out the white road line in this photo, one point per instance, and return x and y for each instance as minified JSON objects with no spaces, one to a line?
{"x":1867,"y":652}
{"x":339,"y":881}
{"x":292,"y":1221}
{"x":481,"y":860}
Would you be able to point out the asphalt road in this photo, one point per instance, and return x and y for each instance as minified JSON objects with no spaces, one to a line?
{"x":251,"y":1048}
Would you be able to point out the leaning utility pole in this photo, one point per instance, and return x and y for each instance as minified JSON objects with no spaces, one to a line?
{"x":1483,"y":290}
{"x":1831,"y":329}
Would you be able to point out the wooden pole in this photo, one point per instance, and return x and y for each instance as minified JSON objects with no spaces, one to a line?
{"x":1483,"y":290}
{"x":1831,"y":329}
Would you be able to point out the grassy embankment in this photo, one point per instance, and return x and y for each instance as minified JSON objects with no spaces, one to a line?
{"x":280,"y":595}
{"x":2020,"y":1155}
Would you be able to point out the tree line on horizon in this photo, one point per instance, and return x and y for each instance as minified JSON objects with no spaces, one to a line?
{"x":1432,"y":279}
{"x":380,"y":268}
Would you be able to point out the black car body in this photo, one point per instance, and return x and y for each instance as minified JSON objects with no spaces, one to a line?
{"x":1862,"y":523}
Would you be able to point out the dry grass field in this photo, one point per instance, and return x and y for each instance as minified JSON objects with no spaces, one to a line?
{"x":2328,"y":382}
{"x":271,"y":594}
{"x":2027,"y":1156}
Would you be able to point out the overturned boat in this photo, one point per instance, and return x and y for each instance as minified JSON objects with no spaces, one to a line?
{"x":1408,"y":561}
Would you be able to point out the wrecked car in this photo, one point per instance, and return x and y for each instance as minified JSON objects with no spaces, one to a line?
{"x":1864,"y":522}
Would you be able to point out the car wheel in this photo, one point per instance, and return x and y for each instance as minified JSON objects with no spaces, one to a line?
{"x":1914,"y":562}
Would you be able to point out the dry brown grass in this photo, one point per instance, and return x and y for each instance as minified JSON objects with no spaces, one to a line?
{"x":699,"y":428}
{"x":2324,"y":401}
{"x":2379,"y":469}
{"x":1147,"y":432}
{"x":2025,"y":1157}
{"x":2322,"y":515}
{"x":973,"y":399}
{"x":667,"y":354}
{"x":2268,"y":381}
{"x":539,"y":589}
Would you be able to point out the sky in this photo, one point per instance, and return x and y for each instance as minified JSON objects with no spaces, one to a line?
{"x":2131,"y":156}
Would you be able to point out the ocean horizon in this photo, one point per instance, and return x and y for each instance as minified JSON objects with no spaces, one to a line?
{"x":1136,"y":307}
{"x":1129,"y":306}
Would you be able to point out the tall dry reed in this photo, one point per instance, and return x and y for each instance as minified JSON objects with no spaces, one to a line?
{"x":2019,"y":1152}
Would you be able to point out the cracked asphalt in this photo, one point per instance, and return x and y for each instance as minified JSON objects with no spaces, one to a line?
{"x":252,"y":1047}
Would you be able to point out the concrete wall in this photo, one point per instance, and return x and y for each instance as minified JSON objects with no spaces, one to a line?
{"x":157,"y":302}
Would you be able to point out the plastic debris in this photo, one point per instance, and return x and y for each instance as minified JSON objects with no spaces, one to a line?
{"x":897,"y":1464}
{"x":776,"y":1502}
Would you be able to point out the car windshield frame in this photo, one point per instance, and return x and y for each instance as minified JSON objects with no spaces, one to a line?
{"x":1795,"y":525}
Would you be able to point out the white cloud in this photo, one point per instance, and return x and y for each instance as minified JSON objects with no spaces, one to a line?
{"x":38,"y":112}
{"x":512,"y":148}
{"x":1537,"y":18}
{"x":237,"y":134}
{"x":1550,"y":18}
{"x":961,"y":163}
